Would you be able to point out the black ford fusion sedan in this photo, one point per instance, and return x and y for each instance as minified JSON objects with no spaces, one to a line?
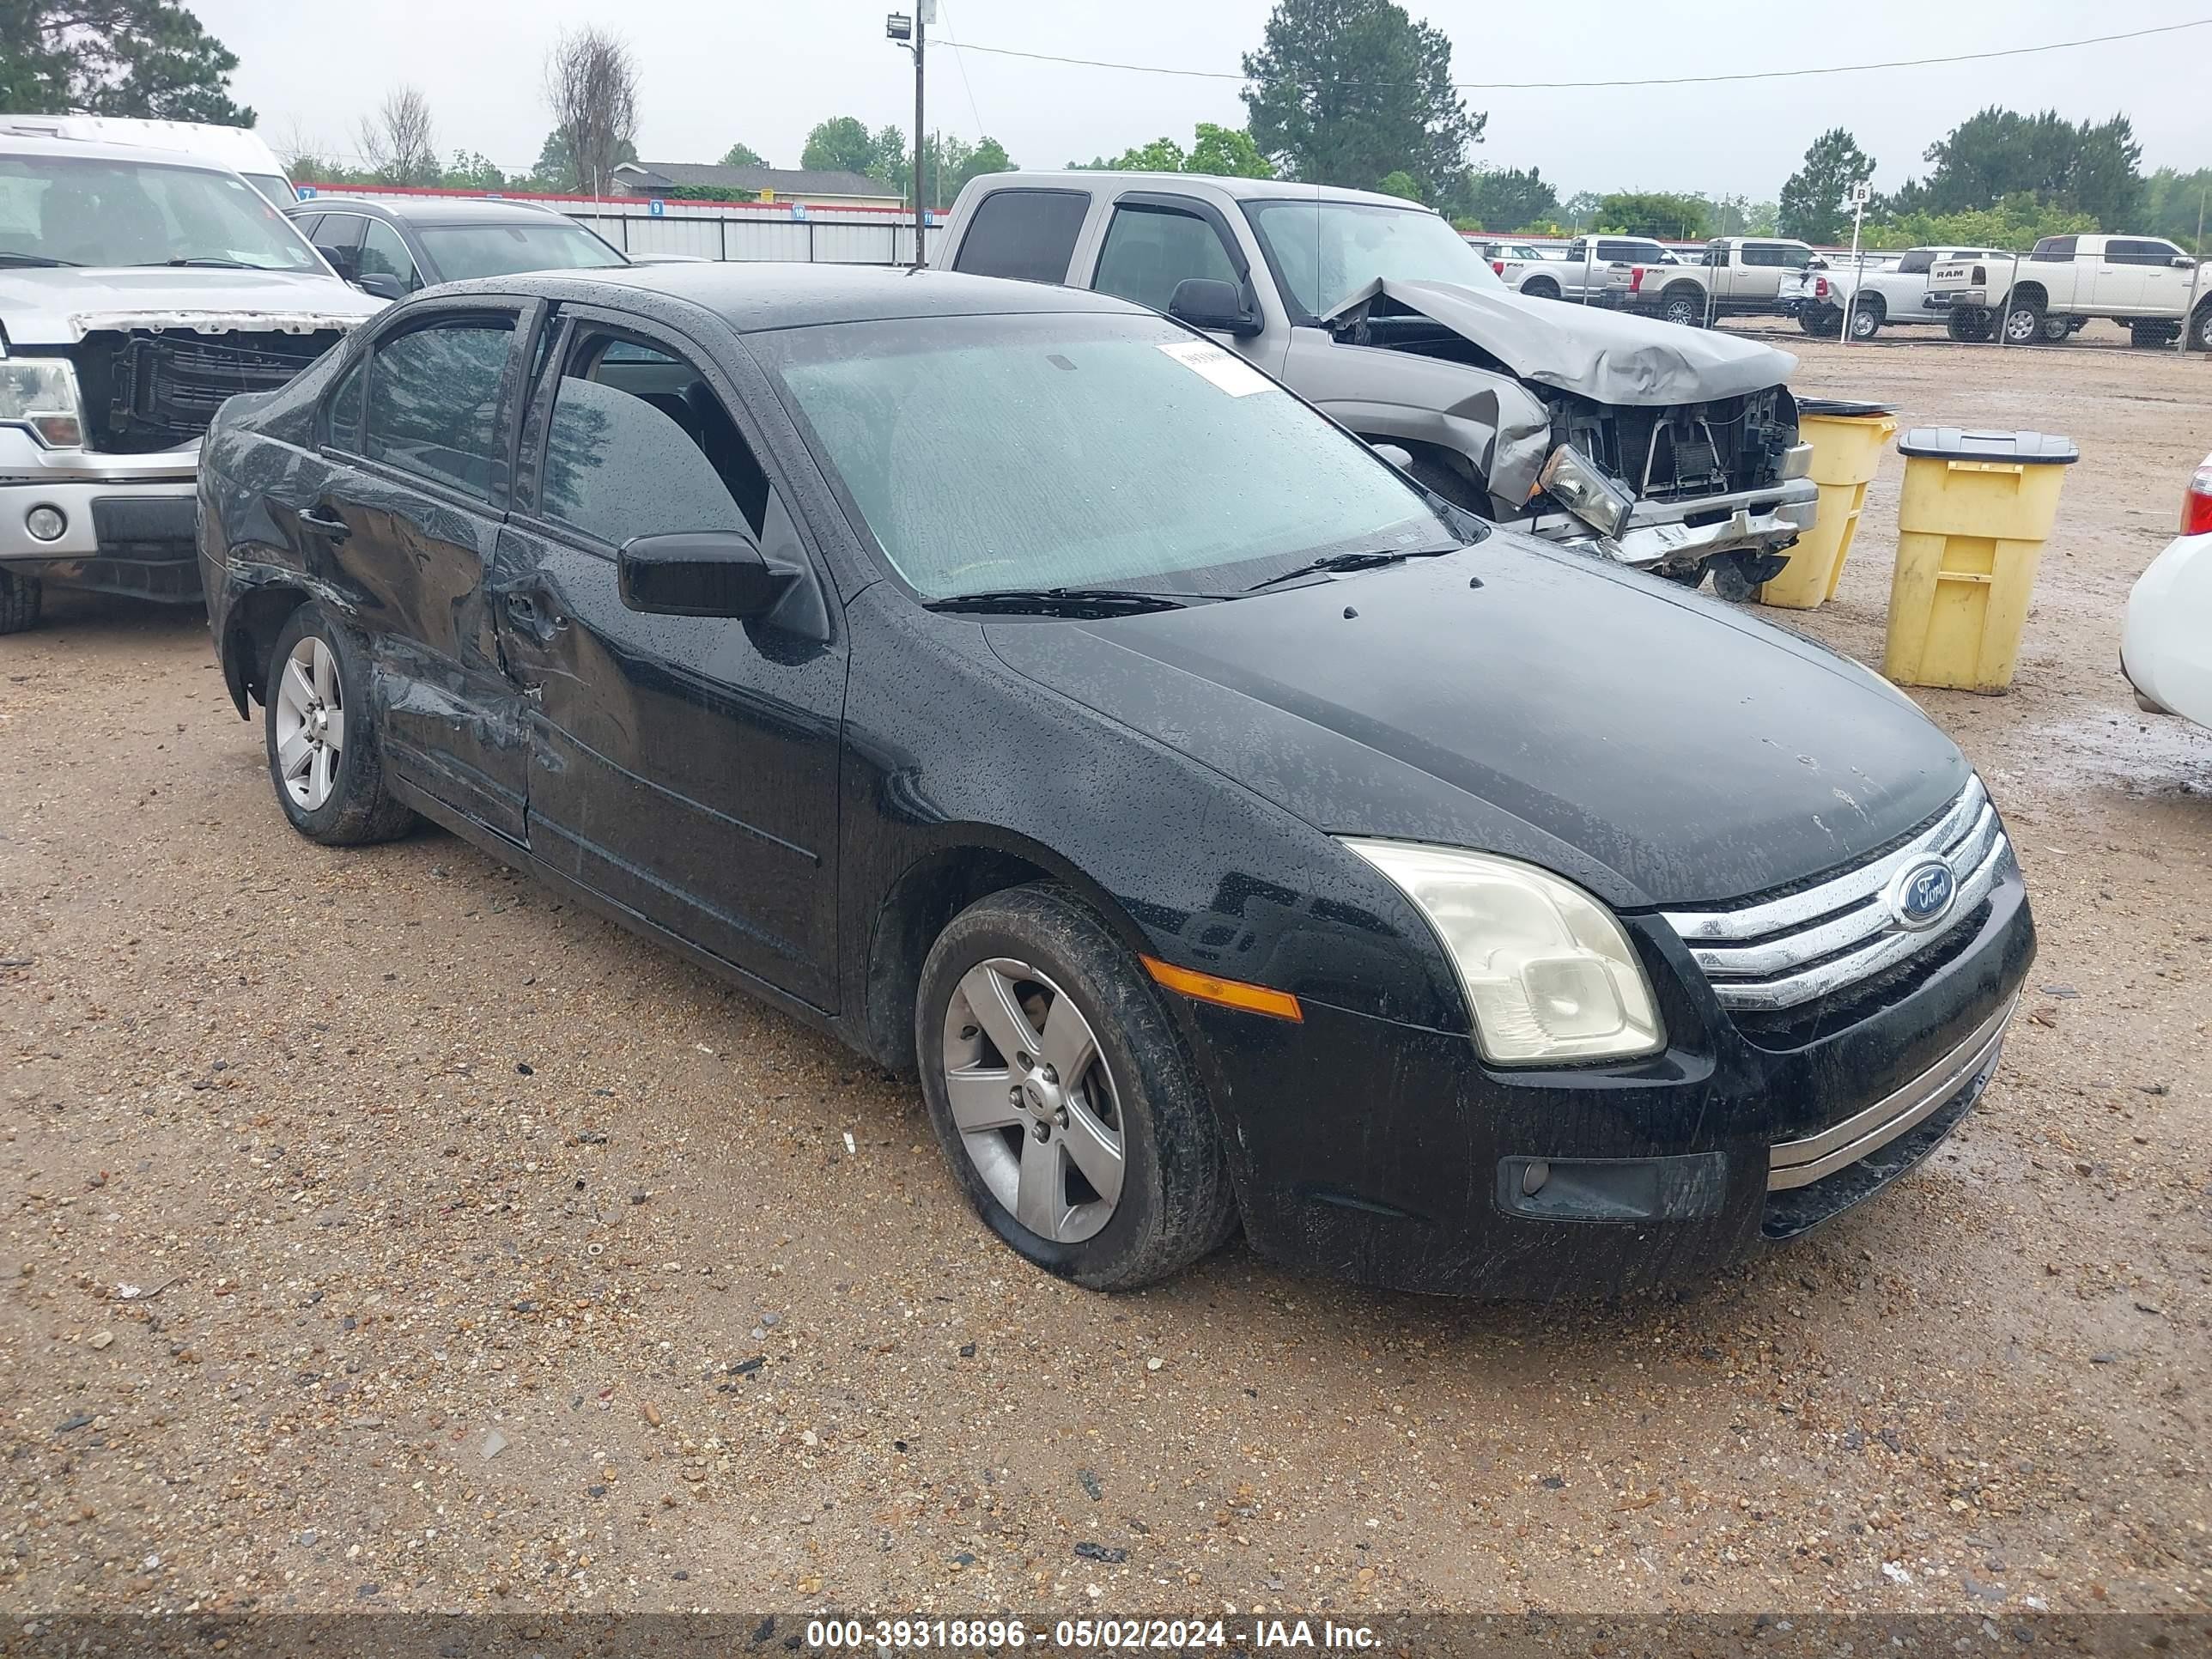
{"x":1037,"y":695}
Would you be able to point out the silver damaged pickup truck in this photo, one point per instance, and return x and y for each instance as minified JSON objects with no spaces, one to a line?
{"x":1670,"y":448}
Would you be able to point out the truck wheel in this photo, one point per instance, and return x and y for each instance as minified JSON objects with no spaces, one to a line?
{"x":1541,"y":287}
{"x":1866,"y":322}
{"x":2200,"y":329}
{"x":2153,"y":334}
{"x":1731,"y":580}
{"x":2023,"y":323}
{"x":1970,"y":324}
{"x":2058,"y":329}
{"x":1684,"y":306}
{"x":1819,"y":322}
{"x":19,"y":597}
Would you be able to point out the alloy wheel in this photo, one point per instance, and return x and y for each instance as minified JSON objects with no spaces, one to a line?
{"x":1684,"y":313}
{"x":310,"y":723}
{"x":1034,"y":1101}
{"x":2021,"y":327}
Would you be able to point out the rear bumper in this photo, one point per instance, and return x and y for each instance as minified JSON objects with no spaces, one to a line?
{"x":127,"y":521}
{"x":2162,"y":653}
{"x":1392,"y":1156}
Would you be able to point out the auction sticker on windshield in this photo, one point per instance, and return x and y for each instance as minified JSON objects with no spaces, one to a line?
{"x":1224,"y":369}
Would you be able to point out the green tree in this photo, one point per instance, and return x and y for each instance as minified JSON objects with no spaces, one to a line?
{"x":2173,"y":203}
{"x":1505,"y":199}
{"x":2078,"y":168}
{"x":2018,"y":222}
{"x":1399,"y":182}
{"x":1645,"y":213}
{"x":140,"y":57}
{"x":1816,"y":201}
{"x":742,"y":154}
{"x":840,"y":144}
{"x":1342,"y":92}
{"x":1227,"y":153}
{"x":1580,"y":209}
{"x":471,"y":171}
{"x":556,"y":168}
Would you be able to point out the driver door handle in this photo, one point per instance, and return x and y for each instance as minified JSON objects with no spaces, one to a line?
{"x":325,"y":523}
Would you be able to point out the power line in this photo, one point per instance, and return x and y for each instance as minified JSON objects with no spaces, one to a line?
{"x":1647,"y":80}
{"x":962,"y":65}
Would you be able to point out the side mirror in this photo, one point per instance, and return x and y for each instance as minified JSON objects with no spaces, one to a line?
{"x":382,"y":284}
{"x":2183,"y":262}
{"x":1207,"y":303}
{"x":707,"y":574}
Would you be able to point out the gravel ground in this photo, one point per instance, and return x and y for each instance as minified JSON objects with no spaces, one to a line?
{"x":485,"y":1258}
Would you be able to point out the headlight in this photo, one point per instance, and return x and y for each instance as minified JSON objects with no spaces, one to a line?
{"x":1548,"y":974}
{"x":41,"y":393}
{"x":1579,"y":487}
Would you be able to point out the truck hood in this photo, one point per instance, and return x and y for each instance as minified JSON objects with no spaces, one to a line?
{"x":1607,"y":355}
{"x":59,"y":307}
{"x":1658,"y":748}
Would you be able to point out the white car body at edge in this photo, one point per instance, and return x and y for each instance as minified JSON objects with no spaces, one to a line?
{"x":2165,"y":648}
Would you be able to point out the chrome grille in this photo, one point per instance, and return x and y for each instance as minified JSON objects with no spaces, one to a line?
{"x":1826,"y":938}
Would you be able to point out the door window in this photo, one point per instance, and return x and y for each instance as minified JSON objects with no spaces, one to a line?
{"x":337,"y":238}
{"x":434,"y":402}
{"x":383,"y":254}
{"x":342,"y":414}
{"x":2055,"y":250}
{"x":1028,"y":234}
{"x":639,"y":445}
{"x":1149,"y":250}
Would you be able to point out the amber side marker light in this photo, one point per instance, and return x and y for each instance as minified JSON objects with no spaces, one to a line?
{"x":1228,"y":993}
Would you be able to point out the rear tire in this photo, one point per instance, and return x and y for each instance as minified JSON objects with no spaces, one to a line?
{"x":2057,"y":330}
{"x":21,"y":598}
{"x":1970,"y":326}
{"x":2023,"y":322}
{"x":1031,"y":1167}
{"x":1683,"y":307}
{"x":1541,"y":287}
{"x":320,"y":734}
{"x":1866,"y":321}
{"x":1819,"y":322}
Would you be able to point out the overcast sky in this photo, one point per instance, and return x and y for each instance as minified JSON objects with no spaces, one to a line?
{"x":716,"y":70}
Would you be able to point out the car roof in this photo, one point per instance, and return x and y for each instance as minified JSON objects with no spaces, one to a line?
{"x":83,"y":149}
{"x":432,"y":209}
{"x":1242,"y":190}
{"x":753,"y":297}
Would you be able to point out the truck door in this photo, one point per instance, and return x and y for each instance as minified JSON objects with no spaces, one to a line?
{"x":2113,"y":280}
{"x":1155,"y":240}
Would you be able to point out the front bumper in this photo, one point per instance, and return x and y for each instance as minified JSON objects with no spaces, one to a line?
{"x":128,"y":519}
{"x":1390,"y":1155}
{"x":1687,"y":534}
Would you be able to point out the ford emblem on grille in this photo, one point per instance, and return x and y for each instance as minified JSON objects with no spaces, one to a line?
{"x":1921,"y":896}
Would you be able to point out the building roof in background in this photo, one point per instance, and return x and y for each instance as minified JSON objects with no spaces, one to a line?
{"x":784,"y":181}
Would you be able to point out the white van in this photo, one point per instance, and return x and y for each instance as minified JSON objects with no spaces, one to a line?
{"x":239,"y":148}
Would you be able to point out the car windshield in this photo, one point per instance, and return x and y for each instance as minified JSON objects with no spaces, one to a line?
{"x":1324,"y":253}
{"x":1082,"y":451}
{"x":461,"y":251}
{"x":82,"y":211}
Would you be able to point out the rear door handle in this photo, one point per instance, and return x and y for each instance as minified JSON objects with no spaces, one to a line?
{"x":327,"y":524}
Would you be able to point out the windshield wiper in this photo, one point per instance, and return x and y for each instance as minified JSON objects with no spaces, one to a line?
{"x":209,"y":259}
{"x":1079,"y":602}
{"x":1367,"y":560}
{"x":32,"y":259}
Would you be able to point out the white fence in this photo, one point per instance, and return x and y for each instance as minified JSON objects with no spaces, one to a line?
{"x":716,"y":230}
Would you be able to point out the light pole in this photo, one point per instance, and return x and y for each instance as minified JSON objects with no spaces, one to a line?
{"x":912,"y":34}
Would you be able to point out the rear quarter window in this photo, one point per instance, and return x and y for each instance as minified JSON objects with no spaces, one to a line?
{"x":1027,"y":235}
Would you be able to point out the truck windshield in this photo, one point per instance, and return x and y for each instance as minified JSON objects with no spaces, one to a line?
{"x":1324,"y":253}
{"x":1063,"y":450}
{"x":80,"y":210}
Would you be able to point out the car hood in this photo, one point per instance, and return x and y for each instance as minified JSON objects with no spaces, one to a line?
{"x":1659,"y":748}
{"x":1611,"y":357}
{"x":60,"y":306}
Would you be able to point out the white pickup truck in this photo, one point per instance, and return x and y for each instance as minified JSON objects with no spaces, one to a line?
{"x":2144,"y":283}
{"x":1591,"y":268}
{"x":1883,"y":293}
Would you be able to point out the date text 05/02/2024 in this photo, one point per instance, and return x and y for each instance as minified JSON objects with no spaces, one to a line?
{"x":1085,"y":1635}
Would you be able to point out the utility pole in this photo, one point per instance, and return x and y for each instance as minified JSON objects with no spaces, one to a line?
{"x":911,"y":32}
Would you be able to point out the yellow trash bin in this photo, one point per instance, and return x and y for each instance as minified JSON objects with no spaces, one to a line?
{"x":1847,"y":440}
{"x":1977,"y":509}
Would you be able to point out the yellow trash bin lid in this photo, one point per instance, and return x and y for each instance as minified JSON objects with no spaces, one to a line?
{"x":1956,"y":443}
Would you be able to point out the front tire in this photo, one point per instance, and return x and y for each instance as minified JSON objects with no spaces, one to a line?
{"x":1731,"y":580}
{"x":21,"y":598}
{"x":319,"y":734}
{"x":2200,"y":329}
{"x":1073,"y":1119}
